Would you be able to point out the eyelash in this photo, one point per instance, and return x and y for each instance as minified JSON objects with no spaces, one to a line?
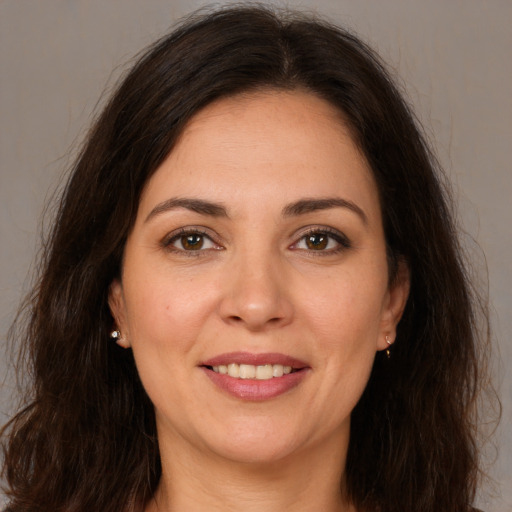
{"x":342,"y":241}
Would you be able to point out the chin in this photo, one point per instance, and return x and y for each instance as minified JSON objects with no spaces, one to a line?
{"x":256,"y":453}
{"x":255,"y":446}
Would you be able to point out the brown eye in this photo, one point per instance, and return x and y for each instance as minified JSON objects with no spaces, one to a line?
{"x":317,"y":241}
{"x":325,"y":241}
{"x":192,"y":242}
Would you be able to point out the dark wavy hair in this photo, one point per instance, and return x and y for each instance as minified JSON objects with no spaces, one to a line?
{"x":85,"y":438}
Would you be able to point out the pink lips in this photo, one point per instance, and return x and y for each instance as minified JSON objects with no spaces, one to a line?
{"x":253,"y":389}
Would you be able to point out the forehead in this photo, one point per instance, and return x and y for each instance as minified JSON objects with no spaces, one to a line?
{"x":250,"y":145}
{"x":257,"y":117}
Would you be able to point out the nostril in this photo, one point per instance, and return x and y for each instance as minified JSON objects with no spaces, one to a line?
{"x":274,"y":320}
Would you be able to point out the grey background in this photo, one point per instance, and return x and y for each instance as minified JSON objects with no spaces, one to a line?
{"x":453,"y":56}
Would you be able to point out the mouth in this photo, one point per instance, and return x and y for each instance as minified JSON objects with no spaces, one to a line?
{"x":250,"y":376}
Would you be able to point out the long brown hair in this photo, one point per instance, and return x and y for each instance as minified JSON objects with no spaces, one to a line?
{"x":86,"y":438}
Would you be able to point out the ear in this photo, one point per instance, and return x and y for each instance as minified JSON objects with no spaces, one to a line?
{"x":394,"y":306}
{"x":118,"y":310}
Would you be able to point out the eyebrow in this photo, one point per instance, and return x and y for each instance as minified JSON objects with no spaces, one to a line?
{"x":305,"y":206}
{"x":301,"y":207}
{"x":195,"y":205}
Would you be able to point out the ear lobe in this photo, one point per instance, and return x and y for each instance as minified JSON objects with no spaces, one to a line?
{"x":398,"y":294}
{"x":118,"y":311}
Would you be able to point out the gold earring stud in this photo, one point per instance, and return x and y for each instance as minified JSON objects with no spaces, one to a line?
{"x":389,"y":342}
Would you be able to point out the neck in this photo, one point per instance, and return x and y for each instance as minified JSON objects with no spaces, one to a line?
{"x":305,"y":482}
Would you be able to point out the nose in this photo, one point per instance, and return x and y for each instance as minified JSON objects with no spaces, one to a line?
{"x":256,"y":294}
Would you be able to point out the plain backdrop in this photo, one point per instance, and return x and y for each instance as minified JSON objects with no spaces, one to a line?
{"x":57,"y":57}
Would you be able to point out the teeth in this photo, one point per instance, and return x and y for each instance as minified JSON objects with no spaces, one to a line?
{"x":264,"y":372}
{"x":277,"y":370}
{"x":233,"y":370}
{"x":249,"y":371}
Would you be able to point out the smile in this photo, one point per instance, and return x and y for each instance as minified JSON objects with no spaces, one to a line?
{"x":255,"y":377}
{"x":249,"y":371}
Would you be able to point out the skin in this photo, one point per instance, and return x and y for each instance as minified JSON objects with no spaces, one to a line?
{"x":257,"y":286}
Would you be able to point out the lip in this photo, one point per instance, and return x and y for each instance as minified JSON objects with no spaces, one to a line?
{"x":253,"y":389}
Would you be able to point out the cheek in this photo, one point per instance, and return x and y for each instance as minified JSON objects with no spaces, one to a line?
{"x":167,"y":310}
{"x":166,"y":319}
{"x":347,"y":308}
{"x":344,"y":323}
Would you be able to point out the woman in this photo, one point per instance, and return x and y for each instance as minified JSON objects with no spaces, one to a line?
{"x":253,"y":295}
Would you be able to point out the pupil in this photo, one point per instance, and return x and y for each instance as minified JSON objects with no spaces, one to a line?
{"x":317,"y":241}
{"x":192,"y":242}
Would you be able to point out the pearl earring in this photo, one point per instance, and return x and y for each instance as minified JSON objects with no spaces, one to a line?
{"x":115,"y":335}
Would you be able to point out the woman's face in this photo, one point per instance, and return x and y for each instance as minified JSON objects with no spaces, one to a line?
{"x":258,"y":250}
